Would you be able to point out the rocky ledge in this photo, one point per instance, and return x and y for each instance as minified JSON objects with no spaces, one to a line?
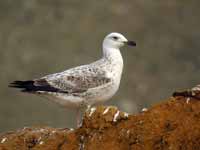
{"x":174,"y":124}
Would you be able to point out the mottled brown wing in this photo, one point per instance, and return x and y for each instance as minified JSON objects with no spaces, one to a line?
{"x":78,"y":84}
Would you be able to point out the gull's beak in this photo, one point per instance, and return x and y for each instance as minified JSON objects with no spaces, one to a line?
{"x":130,"y":43}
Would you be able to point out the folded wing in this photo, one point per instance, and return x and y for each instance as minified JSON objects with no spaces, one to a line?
{"x":71,"y":81}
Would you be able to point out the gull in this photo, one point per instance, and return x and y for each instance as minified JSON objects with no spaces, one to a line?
{"x":85,"y":85}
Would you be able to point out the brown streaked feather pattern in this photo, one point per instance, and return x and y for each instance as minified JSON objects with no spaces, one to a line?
{"x":79,"y":79}
{"x":74,"y":84}
{"x":75,"y":80}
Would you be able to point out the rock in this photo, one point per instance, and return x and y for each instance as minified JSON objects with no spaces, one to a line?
{"x":171,"y":125}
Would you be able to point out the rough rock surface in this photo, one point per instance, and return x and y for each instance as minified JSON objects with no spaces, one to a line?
{"x":171,"y":125}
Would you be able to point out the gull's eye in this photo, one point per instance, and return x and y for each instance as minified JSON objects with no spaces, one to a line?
{"x":115,"y":37}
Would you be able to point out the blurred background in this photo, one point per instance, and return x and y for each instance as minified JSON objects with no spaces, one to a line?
{"x":39,"y":37}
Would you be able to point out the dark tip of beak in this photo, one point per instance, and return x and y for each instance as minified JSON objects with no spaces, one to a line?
{"x":131,"y":43}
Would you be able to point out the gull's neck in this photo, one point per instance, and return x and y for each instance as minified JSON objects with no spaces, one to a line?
{"x":113,"y":58}
{"x":112,"y":55}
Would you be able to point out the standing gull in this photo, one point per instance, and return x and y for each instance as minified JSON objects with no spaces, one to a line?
{"x":85,"y":85}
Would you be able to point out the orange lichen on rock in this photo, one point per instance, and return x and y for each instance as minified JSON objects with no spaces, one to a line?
{"x":173,"y":124}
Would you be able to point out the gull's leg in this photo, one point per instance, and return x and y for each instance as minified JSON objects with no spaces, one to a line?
{"x":80,"y":113}
{"x":78,"y":118}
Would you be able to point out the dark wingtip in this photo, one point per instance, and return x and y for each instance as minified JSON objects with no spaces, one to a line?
{"x":13,"y":84}
{"x":20,"y":84}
